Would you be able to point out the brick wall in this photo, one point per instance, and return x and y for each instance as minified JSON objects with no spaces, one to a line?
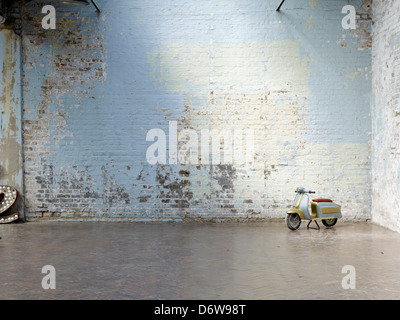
{"x":98,"y":84}
{"x":386,"y":114}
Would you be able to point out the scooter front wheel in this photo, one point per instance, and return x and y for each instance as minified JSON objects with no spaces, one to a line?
{"x":293,"y":221}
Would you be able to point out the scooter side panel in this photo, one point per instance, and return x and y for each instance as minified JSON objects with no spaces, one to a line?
{"x":328,"y":210}
{"x":304,"y":206}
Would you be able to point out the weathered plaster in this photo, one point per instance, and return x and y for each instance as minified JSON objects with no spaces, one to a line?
{"x":386,"y":114}
{"x":11,"y":163}
{"x":97,"y":84}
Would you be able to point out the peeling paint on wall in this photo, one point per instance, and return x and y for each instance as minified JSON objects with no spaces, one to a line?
{"x":94,"y":86}
{"x":70,"y":63}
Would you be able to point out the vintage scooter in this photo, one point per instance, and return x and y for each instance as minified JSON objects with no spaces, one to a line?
{"x":321,"y":209}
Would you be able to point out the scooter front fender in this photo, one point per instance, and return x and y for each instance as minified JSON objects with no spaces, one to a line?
{"x":298,"y":211}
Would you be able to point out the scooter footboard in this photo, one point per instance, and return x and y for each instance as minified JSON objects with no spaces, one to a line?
{"x":328,"y":210}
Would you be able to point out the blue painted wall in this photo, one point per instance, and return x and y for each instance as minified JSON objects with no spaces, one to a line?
{"x":96,"y":85}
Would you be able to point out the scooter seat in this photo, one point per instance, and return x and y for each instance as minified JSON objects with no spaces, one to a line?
{"x":322,"y":200}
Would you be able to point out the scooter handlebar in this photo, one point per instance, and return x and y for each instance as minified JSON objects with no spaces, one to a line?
{"x":302,"y":190}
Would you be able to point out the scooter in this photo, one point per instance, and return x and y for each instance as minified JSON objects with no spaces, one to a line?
{"x":321,"y":209}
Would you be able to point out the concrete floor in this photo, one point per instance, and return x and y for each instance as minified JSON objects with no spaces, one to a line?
{"x":197,"y":261}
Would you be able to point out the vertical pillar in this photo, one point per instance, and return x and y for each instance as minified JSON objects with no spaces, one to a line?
{"x":11,"y":162}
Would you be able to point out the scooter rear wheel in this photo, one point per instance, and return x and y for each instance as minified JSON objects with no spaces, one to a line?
{"x":293,"y":221}
{"x":329,"y":222}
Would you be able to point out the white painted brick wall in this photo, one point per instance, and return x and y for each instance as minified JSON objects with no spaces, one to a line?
{"x":386,"y":114}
